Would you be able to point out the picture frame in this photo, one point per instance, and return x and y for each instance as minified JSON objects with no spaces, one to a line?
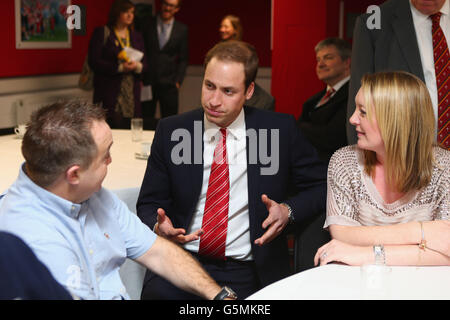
{"x":41,"y":24}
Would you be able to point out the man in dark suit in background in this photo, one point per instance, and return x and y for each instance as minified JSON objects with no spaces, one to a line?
{"x":166,"y":43}
{"x":323,"y":117}
{"x":231,"y":212}
{"x":261,"y":99}
{"x":403,"y":41}
{"x":323,"y":123}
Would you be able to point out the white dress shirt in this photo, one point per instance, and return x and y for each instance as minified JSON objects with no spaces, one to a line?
{"x":339,"y":85}
{"x":168,"y":28}
{"x":238,"y":244}
{"x":423,"y":25}
{"x":336,"y":87}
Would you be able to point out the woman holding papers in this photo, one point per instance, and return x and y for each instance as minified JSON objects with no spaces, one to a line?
{"x":116,"y":56}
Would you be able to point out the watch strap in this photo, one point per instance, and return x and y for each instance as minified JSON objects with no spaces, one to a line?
{"x":226,"y":292}
{"x":291,"y":214}
{"x":380,"y":256}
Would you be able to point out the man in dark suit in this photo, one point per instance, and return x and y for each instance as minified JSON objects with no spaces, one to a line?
{"x":166,"y":42}
{"x":323,"y":123}
{"x":261,"y":99}
{"x":323,"y":117}
{"x":402,"y":41}
{"x":253,"y":208}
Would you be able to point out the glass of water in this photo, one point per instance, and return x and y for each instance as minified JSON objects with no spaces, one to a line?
{"x":137,"y":126}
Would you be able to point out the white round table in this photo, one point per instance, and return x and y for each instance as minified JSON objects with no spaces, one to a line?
{"x":340,"y":282}
{"x":125,"y":171}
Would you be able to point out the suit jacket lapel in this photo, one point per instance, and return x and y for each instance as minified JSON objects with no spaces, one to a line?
{"x":154,"y":34}
{"x":197,"y":168}
{"x":341,"y":94}
{"x":172,"y":33}
{"x":313,"y":101}
{"x":253,"y":169}
{"x":403,"y":26}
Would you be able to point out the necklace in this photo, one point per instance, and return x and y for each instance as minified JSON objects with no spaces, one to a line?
{"x":127,"y":39}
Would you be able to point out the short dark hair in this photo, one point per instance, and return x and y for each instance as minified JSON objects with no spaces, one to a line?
{"x":58,"y":136}
{"x":343,"y":47}
{"x":236,"y":51}
{"x":178,"y":3}
{"x":117,"y":8}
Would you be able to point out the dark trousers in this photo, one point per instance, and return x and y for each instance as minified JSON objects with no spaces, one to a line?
{"x":167,"y":95}
{"x":117,"y":121}
{"x":239,"y":276}
{"x":310,"y":237}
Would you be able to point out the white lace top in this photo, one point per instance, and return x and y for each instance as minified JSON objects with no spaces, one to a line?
{"x":353,"y":199}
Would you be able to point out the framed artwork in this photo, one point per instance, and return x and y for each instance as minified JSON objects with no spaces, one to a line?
{"x":41,"y":24}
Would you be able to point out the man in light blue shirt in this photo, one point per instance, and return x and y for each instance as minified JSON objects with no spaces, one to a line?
{"x":80,"y":231}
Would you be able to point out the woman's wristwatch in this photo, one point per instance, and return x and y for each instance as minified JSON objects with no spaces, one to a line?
{"x":380,"y":256}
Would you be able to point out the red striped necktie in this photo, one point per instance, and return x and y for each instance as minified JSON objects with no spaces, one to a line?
{"x":326,"y":97}
{"x":442,"y":69}
{"x":215,"y":216}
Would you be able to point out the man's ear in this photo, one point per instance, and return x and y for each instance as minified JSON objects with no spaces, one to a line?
{"x":250,"y":90}
{"x":73,"y":174}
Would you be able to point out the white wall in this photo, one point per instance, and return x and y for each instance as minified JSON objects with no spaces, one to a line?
{"x":20,"y":96}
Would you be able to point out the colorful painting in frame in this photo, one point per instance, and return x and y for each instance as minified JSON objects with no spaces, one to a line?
{"x":41,"y":24}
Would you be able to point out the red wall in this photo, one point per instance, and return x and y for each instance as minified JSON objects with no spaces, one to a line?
{"x":298,"y":26}
{"x":25,"y":62}
{"x":202,"y":16}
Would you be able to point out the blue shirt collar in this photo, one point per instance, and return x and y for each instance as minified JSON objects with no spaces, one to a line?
{"x":27,"y":186}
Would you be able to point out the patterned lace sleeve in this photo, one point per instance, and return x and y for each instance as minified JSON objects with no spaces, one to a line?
{"x":442,"y":210}
{"x":344,"y":181}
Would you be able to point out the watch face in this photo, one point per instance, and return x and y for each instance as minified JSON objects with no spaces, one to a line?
{"x":230,"y":293}
{"x":379,"y":254}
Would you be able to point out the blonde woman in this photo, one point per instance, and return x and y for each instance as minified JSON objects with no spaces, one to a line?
{"x":388,"y":196}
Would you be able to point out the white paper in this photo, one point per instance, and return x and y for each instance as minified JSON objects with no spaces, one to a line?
{"x":146,"y":93}
{"x":133,"y":54}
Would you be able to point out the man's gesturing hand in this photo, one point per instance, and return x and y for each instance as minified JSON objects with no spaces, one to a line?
{"x":276,"y":221}
{"x":164,"y":228}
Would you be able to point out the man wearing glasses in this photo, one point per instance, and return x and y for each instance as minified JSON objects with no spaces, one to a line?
{"x":166,"y":47}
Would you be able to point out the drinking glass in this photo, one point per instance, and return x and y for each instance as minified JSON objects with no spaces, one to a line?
{"x":136,"y":129}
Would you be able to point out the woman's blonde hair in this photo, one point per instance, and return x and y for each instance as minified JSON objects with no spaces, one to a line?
{"x":401,"y":104}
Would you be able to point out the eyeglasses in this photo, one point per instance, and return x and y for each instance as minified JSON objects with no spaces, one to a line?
{"x":169,"y":5}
